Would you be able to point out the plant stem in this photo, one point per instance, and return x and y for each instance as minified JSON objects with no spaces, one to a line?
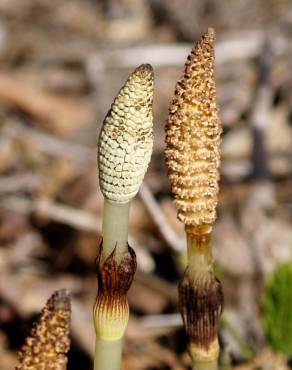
{"x":115,"y":274}
{"x":200,"y":260}
{"x":212,"y":365}
{"x":201,"y":299}
{"x":108,"y":354}
{"x":226,"y":360}
{"x":115,"y":228}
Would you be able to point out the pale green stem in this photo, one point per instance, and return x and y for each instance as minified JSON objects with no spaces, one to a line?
{"x":226,"y":361}
{"x":115,"y":235}
{"x":212,"y":365}
{"x":108,"y":354}
{"x":200,"y":260}
{"x":115,"y":228}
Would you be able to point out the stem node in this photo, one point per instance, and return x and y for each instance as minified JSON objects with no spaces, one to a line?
{"x":111,"y":310}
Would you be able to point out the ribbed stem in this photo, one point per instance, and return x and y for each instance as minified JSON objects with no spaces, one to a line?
{"x":108,"y":354}
{"x":115,"y":229}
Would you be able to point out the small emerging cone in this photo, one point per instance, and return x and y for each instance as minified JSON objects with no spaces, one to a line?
{"x":126,"y":139}
{"x":193,"y":137}
{"x":48,"y":343}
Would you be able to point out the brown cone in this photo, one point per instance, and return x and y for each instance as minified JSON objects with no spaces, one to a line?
{"x":193,"y":137}
{"x":48,"y":343}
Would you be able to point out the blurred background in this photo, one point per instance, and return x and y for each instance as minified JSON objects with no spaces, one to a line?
{"x":61,"y":64}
